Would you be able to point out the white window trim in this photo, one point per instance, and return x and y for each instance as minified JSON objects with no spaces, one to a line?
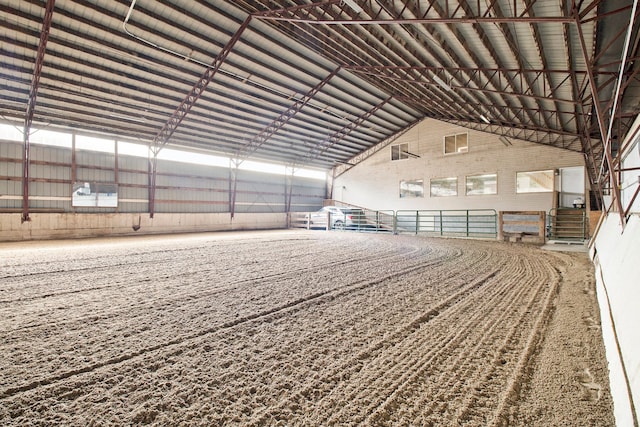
{"x":401,"y":152}
{"x":443,"y":178}
{"x":534,"y":192}
{"x":466,"y":190}
{"x":444,"y":144}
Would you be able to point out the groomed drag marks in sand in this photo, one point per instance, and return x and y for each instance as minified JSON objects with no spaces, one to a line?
{"x":289,"y":328}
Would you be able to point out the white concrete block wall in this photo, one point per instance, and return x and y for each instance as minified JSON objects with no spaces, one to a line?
{"x":616,"y":255}
{"x":70,"y":225}
{"x":375,"y":182}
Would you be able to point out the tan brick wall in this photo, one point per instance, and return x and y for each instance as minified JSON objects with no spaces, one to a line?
{"x":374,"y":183}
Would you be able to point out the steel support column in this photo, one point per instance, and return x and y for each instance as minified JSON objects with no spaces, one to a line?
{"x":599,"y":114}
{"x":257,"y":141}
{"x":185,"y":106}
{"x":288,"y":191}
{"x":153,"y":168}
{"x":31,"y":106}
{"x":233,"y":186}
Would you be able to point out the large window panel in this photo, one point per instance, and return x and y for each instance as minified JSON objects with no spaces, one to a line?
{"x":413,"y":188}
{"x":443,"y":187}
{"x":535,"y":182}
{"x":482,"y":184}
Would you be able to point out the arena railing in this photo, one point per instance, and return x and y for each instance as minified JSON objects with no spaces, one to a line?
{"x":454,"y":223}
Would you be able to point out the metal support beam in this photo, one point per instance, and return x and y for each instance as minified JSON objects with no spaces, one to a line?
{"x":338,"y":136}
{"x":257,"y":141}
{"x":599,"y":114}
{"x":153,"y":171}
{"x":185,"y":106}
{"x":31,"y":106}
{"x":198,"y":89}
{"x":288,"y":190}
{"x":343,"y":167}
{"x":233,"y":186}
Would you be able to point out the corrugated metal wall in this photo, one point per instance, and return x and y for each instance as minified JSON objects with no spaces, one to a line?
{"x":180,"y":187}
{"x":10,"y":173}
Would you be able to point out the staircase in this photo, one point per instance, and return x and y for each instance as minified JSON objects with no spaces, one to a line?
{"x":567,"y":224}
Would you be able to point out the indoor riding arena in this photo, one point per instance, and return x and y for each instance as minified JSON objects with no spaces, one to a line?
{"x":299,"y":328}
{"x":319,"y":213}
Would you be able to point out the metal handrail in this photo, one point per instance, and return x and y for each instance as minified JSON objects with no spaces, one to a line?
{"x":455,"y":223}
{"x":572,"y":228}
{"x":467,"y":222}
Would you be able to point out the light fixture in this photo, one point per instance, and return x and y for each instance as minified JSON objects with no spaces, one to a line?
{"x":442,"y":83}
{"x":484,"y":119}
{"x":353,"y":5}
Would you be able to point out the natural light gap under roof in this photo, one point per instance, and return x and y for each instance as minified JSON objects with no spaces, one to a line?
{"x":10,"y":132}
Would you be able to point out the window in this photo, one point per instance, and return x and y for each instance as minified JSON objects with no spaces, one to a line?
{"x":442,"y":187}
{"x":400,"y":151}
{"x":482,"y":184}
{"x":535,"y":182}
{"x":414,"y":188}
{"x":456,"y":143}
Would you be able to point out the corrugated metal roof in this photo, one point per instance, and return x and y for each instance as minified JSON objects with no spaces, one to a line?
{"x":518,"y":65}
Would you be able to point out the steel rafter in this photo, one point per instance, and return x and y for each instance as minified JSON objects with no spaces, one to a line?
{"x":514,"y":116}
{"x":538,"y":135}
{"x":31,"y":105}
{"x":338,"y":136}
{"x":599,"y":113}
{"x":383,"y":40}
{"x":197,"y":90}
{"x":185,"y":106}
{"x":420,"y":33}
{"x":495,"y":77}
{"x":455,"y":12}
{"x":359,"y":158}
{"x":509,"y":36}
{"x":496,"y":94}
{"x":258,"y":140}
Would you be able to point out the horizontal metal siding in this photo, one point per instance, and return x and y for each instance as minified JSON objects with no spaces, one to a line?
{"x":183,"y":187}
{"x":11,"y":150}
{"x":11,"y":171}
{"x":260,"y":192}
{"x":307,"y":195}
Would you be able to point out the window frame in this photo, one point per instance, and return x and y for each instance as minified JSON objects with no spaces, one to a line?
{"x":402,"y":154}
{"x":457,"y":149}
{"x":408,"y":194}
{"x":431,"y":181}
{"x":551,"y":171}
{"x":466,"y":184}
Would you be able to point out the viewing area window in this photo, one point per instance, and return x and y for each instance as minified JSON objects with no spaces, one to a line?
{"x":442,"y":187}
{"x":535,"y":182}
{"x":482,"y":184}
{"x":414,"y":188}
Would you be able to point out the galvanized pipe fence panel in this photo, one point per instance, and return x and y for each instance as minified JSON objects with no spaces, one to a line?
{"x":453,"y":223}
{"x":481,"y":223}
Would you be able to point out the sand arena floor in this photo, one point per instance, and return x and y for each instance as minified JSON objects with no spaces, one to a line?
{"x":298,"y":328}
